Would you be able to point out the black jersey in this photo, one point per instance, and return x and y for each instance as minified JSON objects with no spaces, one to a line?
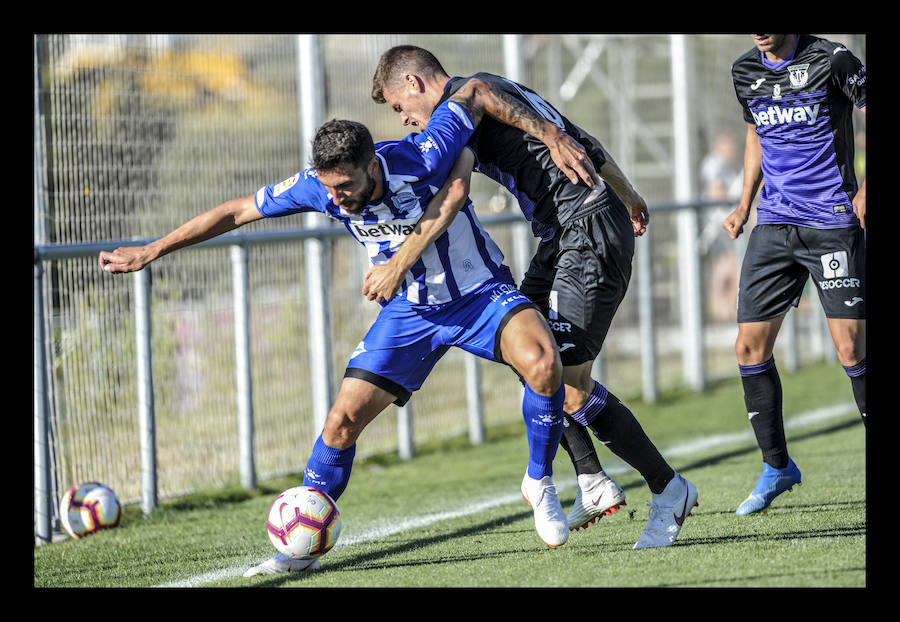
{"x":522,"y":164}
{"x":802,"y":109}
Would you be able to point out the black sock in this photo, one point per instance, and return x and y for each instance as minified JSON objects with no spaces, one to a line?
{"x":762,"y":396}
{"x":578,"y":444}
{"x":857,"y":374}
{"x":617,"y":428}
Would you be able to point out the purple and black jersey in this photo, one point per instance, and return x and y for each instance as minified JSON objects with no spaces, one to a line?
{"x":522,"y":164}
{"x":802,"y":109}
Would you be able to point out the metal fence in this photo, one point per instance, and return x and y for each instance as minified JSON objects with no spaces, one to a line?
{"x":216,"y":365}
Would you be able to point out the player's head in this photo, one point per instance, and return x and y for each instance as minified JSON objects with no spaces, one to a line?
{"x":344,"y":159}
{"x":411,"y":81}
{"x":775,"y":44}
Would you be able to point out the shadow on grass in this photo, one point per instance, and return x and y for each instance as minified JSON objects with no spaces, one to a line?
{"x":376,"y":559}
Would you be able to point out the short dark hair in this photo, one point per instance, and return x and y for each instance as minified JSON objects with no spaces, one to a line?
{"x":339,"y":143}
{"x":402,"y":59}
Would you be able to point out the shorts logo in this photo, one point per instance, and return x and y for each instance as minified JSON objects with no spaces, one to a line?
{"x":834,"y":265}
{"x":560,"y":327}
{"x":554,"y":306}
{"x":361,"y":348}
{"x":509,"y":292}
{"x":835,"y":269}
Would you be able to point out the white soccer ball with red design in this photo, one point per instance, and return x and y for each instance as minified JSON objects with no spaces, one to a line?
{"x":89,"y":507}
{"x":303,"y":523}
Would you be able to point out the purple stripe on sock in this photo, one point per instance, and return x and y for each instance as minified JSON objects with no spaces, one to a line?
{"x":596,"y":402}
{"x":856,"y":370}
{"x":752,"y":370}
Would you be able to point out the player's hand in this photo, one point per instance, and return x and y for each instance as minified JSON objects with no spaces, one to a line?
{"x":734,"y":223}
{"x":571,"y":158}
{"x":640,"y":216}
{"x":859,"y":205}
{"x":381,"y":283}
{"x":125,"y":259}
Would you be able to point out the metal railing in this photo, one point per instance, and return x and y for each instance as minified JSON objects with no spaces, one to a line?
{"x":239,"y":242}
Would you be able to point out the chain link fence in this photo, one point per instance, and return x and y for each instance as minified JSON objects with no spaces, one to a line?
{"x":135,"y":134}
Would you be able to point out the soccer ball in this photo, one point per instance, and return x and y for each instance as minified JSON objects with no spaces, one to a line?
{"x":303,"y":523}
{"x":89,"y":507}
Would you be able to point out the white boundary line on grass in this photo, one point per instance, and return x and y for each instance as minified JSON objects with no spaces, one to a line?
{"x":417,"y":522}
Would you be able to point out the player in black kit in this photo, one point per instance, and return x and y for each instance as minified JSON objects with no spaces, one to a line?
{"x":798,"y":93}
{"x":579,"y":274}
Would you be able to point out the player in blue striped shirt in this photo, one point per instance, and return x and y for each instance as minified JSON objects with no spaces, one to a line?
{"x":458,"y":294}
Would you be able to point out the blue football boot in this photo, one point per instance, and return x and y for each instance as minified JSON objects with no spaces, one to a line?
{"x":771,"y":483}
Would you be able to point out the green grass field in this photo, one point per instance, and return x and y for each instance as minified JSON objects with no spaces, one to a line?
{"x":453,"y":517}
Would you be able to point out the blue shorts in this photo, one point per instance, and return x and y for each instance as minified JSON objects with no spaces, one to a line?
{"x":407,"y":340}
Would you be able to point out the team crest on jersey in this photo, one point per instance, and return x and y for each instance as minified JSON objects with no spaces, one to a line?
{"x":799,"y":75}
{"x":407,"y":202}
{"x":285,"y":185}
{"x":427,"y":145}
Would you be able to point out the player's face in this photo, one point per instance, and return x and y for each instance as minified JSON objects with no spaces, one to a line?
{"x":410,"y":102}
{"x":769,"y":43}
{"x":351,"y":189}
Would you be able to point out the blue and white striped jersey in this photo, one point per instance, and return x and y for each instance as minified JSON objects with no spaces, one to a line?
{"x":413,"y":169}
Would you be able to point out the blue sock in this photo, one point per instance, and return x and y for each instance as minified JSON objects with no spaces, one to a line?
{"x":328,"y":468}
{"x":543,"y":416}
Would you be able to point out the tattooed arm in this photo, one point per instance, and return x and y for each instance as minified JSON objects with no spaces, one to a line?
{"x":479,"y":98}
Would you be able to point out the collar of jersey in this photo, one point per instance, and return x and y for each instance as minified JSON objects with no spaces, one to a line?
{"x":776,"y":66}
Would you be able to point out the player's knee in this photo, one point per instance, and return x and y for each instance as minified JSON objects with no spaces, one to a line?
{"x":849,"y":352}
{"x":340,"y":430}
{"x":750,"y":351}
{"x":542,"y":369}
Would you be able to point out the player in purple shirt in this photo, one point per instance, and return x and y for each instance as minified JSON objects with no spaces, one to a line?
{"x":798,"y":93}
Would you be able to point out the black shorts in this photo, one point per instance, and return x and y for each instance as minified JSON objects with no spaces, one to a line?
{"x":579,"y":277}
{"x":780,"y":259}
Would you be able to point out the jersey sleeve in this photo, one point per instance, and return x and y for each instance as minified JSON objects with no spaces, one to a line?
{"x":849,"y":75}
{"x":429,"y":155}
{"x":745,"y":108}
{"x":299,"y":193}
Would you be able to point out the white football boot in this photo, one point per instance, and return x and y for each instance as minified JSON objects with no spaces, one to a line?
{"x":668,"y":510}
{"x":549,"y":517}
{"x":282,"y":564}
{"x":597,"y":496}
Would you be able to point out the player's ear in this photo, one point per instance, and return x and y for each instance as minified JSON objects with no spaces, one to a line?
{"x":413,"y":83}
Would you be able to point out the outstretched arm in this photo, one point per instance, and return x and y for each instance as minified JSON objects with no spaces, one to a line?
{"x":226,"y":217}
{"x":383,"y":281}
{"x":480,"y":97}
